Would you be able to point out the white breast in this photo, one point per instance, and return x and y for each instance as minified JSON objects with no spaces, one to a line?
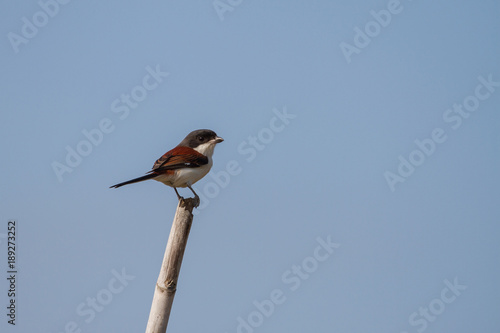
{"x":190,"y":175}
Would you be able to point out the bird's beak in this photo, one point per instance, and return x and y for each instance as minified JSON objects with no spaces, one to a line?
{"x":218,"y":140}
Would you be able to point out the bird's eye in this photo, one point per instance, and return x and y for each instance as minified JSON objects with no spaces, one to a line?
{"x":201,"y":138}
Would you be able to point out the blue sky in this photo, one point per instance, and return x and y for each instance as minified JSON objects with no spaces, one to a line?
{"x":357,"y":188}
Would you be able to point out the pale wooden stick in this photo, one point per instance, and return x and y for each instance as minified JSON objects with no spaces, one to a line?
{"x":170,"y":268}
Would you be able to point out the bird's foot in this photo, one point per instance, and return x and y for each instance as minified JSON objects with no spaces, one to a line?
{"x":196,"y":201}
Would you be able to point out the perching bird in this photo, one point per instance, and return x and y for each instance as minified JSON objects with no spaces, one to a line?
{"x":184,"y":165}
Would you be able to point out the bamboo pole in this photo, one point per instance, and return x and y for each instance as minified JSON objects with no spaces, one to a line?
{"x":166,"y":285}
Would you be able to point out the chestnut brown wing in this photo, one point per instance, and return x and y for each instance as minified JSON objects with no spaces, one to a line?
{"x":179,"y":157}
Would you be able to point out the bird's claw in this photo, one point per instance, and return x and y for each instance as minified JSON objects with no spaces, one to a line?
{"x":196,"y":201}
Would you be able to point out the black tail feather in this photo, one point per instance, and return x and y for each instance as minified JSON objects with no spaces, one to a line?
{"x":136,"y":180}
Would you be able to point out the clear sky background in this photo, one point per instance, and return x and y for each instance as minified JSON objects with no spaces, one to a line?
{"x":319,"y":102}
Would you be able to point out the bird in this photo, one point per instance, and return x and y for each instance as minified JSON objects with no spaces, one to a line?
{"x":185,"y":164}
